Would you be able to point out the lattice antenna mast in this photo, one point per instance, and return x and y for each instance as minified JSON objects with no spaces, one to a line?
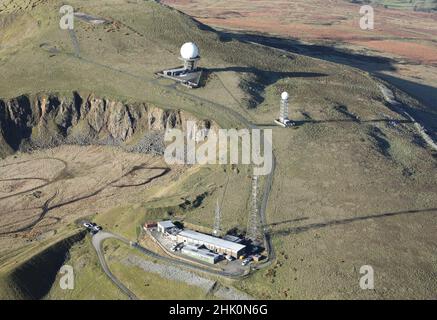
{"x":217,"y":220}
{"x":283,"y":111}
{"x":254,"y":225}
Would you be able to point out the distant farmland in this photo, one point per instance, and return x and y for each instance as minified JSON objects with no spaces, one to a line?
{"x":423,"y":5}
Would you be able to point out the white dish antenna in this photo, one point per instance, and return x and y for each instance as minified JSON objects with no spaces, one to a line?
{"x":189,"y":51}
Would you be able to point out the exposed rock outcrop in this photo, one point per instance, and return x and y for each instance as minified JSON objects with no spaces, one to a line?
{"x":47,"y":120}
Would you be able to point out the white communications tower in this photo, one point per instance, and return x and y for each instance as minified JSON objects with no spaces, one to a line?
{"x":283,"y":111}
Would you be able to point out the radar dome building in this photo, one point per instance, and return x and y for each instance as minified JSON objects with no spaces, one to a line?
{"x":190,"y":56}
{"x":189,"y":74}
{"x":189,"y":51}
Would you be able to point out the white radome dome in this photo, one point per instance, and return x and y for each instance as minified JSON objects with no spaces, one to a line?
{"x":285,"y":95}
{"x":189,"y":51}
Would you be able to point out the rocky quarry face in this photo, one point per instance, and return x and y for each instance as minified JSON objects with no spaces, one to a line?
{"x":44,"y":121}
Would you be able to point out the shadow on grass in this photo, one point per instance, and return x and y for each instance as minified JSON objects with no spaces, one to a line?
{"x":300,"y":123}
{"x":324,"y":52}
{"x":321,"y":225}
{"x":427,"y":95}
{"x":271,"y":75}
{"x":286,"y":222}
{"x":263,"y":79}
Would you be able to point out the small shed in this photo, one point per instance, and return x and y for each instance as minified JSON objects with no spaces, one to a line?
{"x":164,"y":226}
{"x":149,"y":225}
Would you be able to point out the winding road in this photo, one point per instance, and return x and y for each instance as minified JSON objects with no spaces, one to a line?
{"x":97,"y":241}
{"x":101,"y":236}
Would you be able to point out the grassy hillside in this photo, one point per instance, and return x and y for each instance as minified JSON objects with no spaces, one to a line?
{"x":354,"y":182}
{"x":33,"y":278}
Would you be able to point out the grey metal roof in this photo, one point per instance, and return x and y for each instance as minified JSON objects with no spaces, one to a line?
{"x":228,"y":237}
{"x":195,"y":249}
{"x":204,"y":238}
{"x":166,"y":224}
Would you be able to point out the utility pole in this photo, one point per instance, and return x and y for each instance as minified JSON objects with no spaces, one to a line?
{"x":218,"y":212}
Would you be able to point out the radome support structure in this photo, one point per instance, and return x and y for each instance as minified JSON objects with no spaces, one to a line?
{"x":254,"y":231}
{"x":283,"y":111}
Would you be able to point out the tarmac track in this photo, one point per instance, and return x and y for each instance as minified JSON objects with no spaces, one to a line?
{"x":97,"y":241}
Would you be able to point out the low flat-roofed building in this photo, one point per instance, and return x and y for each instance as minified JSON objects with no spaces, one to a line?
{"x":231,"y":238}
{"x":212,"y":243}
{"x":199,"y":253}
{"x":164,"y":226}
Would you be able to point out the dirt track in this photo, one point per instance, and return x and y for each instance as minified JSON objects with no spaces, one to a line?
{"x":43,"y":191}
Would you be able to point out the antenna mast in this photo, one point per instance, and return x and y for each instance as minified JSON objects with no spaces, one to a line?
{"x":254,"y":225}
{"x":217,"y":220}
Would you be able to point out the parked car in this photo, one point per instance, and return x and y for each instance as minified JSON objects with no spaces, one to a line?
{"x":94,"y":228}
{"x":246,"y":261}
{"x":88,"y":225}
{"x":229,"y":258}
